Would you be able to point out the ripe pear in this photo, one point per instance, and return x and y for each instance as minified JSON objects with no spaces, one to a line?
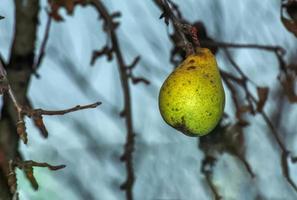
{"x":192,"y":98}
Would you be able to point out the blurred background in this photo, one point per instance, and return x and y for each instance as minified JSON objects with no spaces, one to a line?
{"x":167,"y":164}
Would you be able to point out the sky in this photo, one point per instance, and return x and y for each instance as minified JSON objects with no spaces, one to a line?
{"x":167,"y":163}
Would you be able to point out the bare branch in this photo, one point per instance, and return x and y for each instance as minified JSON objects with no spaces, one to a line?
{"x":208,"y":43}
{"x":179,"y":27}
{"x":39,"y":111}
{"x":41,"y":53}
{"x":127,"y":157}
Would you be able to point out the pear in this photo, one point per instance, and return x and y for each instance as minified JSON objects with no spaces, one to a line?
{"x":192,"y":98}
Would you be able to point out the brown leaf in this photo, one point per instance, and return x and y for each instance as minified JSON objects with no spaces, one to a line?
{"x":67,"y":4}
{"x":290,"y":25}
{"x":262,"y":94}
{"x":289,"y":87}
{"x":243,"y":123}
{"x":240,"y":110}
{"x":288,"y":83}
{"x":291,"y":8}
{"x":21,"y":130}
{"x":30,"y":176}
{"x":245,"y":108}
{"x":38,"y":121}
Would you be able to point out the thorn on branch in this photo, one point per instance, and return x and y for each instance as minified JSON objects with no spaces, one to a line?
{"x":111,"y":24}
{"x":116,"y":15}
{"x":129,"y":148}
{"x":123,"y":113}
{"x":165,"y":15}
{"x":139,"y":80}
{"x":107,"y":51}
{"x":129,"y":69}
{"x":134,"y":63}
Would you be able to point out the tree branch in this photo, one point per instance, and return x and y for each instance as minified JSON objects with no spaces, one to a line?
{"x":127,"y":156}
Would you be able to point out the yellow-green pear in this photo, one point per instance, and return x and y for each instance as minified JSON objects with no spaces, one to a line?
{"x":192,"y":97}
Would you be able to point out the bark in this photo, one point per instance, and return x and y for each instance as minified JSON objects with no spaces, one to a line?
{"x":19,"y":70}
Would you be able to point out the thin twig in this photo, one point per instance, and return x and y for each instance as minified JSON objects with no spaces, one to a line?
{"x":24,"y":164}
{"x":207,"y":166}
{"x":39,"y":111}
{"x":179,"y":27}
{"x":11,"y":94}
{"x":276,"y":48}
{"x":41,"y":53}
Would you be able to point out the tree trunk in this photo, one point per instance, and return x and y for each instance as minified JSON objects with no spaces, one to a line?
{"x":19,"y":70}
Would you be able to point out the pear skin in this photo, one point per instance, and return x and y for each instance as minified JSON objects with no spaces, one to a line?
{"x":192,"y":98}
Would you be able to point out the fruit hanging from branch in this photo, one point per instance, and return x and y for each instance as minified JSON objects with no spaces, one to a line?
{"x":192,"y":98}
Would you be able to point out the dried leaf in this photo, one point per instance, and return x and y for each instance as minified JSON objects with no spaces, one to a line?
{"x":291,"y":8}
{"x":67,"y":4}
{"x":245,"y":108}
{"x":38,"y":121}
{"x":21,"y":130}
{"x":262,"y":94}
{"x":30,"y":176}
{"x":243,"y":123}
{"x":291,"y":25}
{"x":289,"y":87}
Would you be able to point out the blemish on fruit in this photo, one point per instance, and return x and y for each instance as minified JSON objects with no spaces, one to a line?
{"x":191,"y":61}
{"x":205,"y":75}
{"x":208,"y":113}
{"x":191,"y":67}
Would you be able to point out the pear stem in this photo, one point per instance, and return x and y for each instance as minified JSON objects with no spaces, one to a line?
{"x":182,"y":29}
